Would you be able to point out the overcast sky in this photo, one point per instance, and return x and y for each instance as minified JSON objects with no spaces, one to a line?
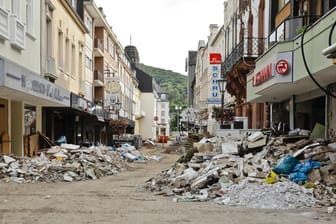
{"x":162,"y":30}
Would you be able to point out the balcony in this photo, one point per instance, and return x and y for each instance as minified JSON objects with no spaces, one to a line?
{"x":50,"y":72}
{"x":140,"y":114}
{"x":17,"y":33}
{"x":98,"y":48}
{"x":98,"y":78}
{"x":289,"y":29}
{"x":249,"y":47}
{"x":4,"y":24}
{"x":81,"y":88}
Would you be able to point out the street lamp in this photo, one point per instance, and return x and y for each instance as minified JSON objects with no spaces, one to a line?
{"x":178,"y":108}
{"x":117,"y":107}
{"x":222,"y":86}
{"x":188,"y":115}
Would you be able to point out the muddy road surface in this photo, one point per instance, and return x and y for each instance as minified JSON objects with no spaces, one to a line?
{"x":121,"y":199}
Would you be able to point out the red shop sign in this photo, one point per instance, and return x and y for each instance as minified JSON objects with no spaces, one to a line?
{"x":282,"y":67}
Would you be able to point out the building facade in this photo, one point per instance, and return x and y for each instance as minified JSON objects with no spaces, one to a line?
{"x":244,"y":41}
{"x":62,"y":73}
{"x":293,"y":75}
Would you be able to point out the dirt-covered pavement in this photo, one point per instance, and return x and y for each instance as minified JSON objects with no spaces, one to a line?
{"x":121,"y":199}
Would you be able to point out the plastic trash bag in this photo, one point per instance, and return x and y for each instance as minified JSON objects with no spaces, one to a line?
{"x":286,"y":165}
{"x":271,"y":178}
{"x":301,"y":170}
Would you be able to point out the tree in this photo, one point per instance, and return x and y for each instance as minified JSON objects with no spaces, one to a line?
{"x":119,"y":126}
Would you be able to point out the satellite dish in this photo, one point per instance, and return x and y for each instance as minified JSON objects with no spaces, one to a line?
{"x":113,"y":87}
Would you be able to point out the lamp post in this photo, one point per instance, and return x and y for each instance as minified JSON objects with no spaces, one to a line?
{"x":117,"y":107}
{"x":222,"y":87}
{"x":178,"y":108}
{"x":188,"y":115}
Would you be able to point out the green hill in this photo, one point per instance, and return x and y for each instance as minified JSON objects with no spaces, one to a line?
{"x":174,"y":83}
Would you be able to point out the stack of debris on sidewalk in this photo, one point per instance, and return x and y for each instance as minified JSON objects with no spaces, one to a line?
{"x":69,"y":163}
{"x":252,"y":171}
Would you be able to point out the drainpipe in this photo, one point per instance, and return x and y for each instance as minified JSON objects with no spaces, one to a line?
{"x":292,"y":112}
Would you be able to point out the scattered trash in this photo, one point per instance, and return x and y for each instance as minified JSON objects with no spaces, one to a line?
{"x":69,"y":163}
{"x":257,"y":170}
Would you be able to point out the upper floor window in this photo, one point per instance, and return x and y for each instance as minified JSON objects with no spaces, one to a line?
{"x":60,"y":49}
{"x":111,"y":48}
{"x":73,"y":3}
{"x":30,"y":16}
{"x":88,"y":24}
{"x":16,"y":8}
{"x":105,"y":40}
{"x":282,"y":3}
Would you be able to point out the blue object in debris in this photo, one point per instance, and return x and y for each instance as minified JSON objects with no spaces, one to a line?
{"x":301,"y":170}
{"x":286,"y":165}
{"x":61,"y":140}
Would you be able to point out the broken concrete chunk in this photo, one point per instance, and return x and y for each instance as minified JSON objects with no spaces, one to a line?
{"x":231,"y":147}
{"x":255,"y":136}
{"x":8,"y":159}
{"x":67,"y":178}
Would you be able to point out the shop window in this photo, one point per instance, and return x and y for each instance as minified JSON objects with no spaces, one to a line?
{"x":30,"y":119}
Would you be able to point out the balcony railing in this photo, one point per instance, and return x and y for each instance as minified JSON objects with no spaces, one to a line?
{"x":98,"y":75}
{"x":290,"y":28}
{"x":248,"y":47}
{"x":98,"y":44}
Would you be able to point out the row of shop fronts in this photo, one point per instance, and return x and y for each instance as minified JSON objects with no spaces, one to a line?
{"x":281,"y":79}
{"x":30,"y":104}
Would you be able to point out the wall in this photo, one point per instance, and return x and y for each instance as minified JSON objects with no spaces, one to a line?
{"x":64,"y":22}
{"x":17,"y":126}
{"x":30,"y":56}
{"x":147,"y":129}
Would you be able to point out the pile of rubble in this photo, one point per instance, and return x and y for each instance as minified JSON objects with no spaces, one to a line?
{"x":68,"y":163}
{"x":233,"y":170}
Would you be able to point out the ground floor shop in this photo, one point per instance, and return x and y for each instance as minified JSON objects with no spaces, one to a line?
{"x":22,"y":96}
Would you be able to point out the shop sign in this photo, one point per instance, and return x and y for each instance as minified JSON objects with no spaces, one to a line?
{"x":263,"y":75}
{"x":79,"y":103}
{"x":215,"y":96}
{"x":277,"y":69}
{"x":281,"y":67}
{"x":38,"y":87}
{"x":215,"y":58}
{"x":99,"y":112}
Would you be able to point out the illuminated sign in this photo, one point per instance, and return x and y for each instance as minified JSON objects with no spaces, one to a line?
{"x":215,"y":58}
{"x":215,"y":97}
{"x":282,"y":67}
{"x":263,"y":75}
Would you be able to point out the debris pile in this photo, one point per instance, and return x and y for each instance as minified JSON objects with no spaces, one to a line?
{"x":235,"y":169}
{"x":67,"y":163}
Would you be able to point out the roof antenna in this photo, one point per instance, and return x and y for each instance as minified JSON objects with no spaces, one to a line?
{"x":130,"y":39}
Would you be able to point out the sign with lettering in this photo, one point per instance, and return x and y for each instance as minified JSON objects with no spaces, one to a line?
{"x":23,"y":80}
{"x":81,"y":104}
{"x":215,"y":58}
{"x":262,"y":75}
{"x":275,"y":70}
{"x":215,"y":96}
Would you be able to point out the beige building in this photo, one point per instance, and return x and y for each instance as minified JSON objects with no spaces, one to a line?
{"x":23,"y":89}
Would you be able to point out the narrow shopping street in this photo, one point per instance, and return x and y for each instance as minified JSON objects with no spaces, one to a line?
{"x":121,"y":198}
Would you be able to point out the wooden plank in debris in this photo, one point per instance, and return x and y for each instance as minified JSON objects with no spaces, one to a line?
{"x":34,"y":144}
{"x":5,"y":143}
{"x":47,"y":140}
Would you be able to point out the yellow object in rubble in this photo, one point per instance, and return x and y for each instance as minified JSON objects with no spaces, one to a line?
{"x":310,"y":185}
{"x":272,"y":177}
